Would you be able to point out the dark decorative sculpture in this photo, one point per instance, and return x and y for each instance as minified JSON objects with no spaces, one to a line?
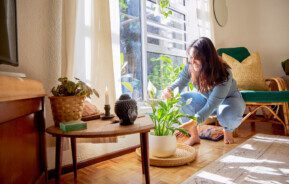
{"x":126,"y":109}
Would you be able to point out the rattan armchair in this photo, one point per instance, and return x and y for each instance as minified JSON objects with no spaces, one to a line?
{"x":269,"y":99}
{"x":277,"y":96}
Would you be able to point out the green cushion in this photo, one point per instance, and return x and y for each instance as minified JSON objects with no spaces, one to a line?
{"x":265,"y":96}
{"x":239,"y":53}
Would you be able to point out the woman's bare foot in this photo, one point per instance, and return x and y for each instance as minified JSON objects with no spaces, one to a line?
{"x":188,"y":124}
{"x":228,"y":137}
{"x":192,"y":141}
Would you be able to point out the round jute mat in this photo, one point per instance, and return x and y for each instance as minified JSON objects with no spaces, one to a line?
{"x":184,"y":155}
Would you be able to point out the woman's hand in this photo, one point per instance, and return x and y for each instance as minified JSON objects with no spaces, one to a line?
{"x":167,"y":94}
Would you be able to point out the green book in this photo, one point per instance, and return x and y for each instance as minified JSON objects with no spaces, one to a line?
{"x":73,"y":126}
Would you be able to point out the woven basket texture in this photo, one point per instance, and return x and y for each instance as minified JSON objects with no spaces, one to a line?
{"x":65,"y":109}
{"x":184,"y":155}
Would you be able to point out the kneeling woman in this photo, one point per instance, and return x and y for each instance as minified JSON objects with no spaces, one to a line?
{"x":216,"y":93}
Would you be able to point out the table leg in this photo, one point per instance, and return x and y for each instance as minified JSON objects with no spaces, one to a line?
{"x":58,"y":158}
{"x":142,"y":153}
{"x":145,"y":155}
{"x":74,"y":158}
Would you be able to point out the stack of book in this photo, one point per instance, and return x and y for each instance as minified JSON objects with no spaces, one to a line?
{"x":73,"y":126}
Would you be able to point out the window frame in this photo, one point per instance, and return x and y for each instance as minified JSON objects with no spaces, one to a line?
{"x":192,"y":32}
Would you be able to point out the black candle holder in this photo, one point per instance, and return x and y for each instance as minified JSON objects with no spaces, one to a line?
{"x":107,"y":114}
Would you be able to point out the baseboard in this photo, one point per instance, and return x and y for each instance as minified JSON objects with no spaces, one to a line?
{"x":13,"y":74}
{"x":91,"y":161}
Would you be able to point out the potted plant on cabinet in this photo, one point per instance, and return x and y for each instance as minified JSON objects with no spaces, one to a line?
{"x":166,"y":118}
{"x":68,"y":100}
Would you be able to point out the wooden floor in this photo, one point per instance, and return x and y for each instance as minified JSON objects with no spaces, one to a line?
{"x":127,"y":169}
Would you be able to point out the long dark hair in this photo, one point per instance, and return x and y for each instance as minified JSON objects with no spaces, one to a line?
{"x":214,"y":70}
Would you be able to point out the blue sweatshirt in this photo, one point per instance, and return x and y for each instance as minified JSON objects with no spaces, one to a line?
{"x":214,"y":97}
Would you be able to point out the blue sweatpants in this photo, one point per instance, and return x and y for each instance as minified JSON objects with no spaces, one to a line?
{"x":229,"y":113}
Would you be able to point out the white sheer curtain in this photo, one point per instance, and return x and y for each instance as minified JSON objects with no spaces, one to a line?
{"x":68,"y":37}
{"x":82,"y":45}
{"x":61,"y":40}
{"x":93,"y":48}
{"x":93,"y":61}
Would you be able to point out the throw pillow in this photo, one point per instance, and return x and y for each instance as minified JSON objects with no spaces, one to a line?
{"x":210,"y":132}
{"x":90,"y":112}
{"x":248,"y":74}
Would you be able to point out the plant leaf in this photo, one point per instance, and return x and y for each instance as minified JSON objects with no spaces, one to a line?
{"x":183,"y":131}
{"x":191,"y":86}
{"x":189,"y":101}
{"x":128,"y":86}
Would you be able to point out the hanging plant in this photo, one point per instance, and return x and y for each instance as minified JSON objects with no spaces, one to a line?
{"x":164,"y":8}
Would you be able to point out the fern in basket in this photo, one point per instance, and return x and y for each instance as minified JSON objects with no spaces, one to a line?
{"x":166,"y":116}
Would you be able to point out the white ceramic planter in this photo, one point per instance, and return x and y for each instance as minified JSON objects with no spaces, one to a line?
{"x":162,"y":146}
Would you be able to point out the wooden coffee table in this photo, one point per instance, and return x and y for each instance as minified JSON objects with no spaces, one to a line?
{"x":101,"y":128}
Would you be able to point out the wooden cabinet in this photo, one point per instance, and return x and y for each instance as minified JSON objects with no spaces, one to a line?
{"x":22,"y":132}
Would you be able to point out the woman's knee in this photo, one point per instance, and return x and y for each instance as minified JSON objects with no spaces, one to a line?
{"x":185,"y":96}
{"x":197,"y":98}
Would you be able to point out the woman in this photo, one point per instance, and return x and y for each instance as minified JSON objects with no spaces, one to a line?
{"x":216,"y":93}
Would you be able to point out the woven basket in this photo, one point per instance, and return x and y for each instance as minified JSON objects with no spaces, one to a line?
{"x":184,"y":155}
{"x":67,"y":108}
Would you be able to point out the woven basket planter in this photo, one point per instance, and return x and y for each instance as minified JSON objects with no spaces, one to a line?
{"x":67,"y":108}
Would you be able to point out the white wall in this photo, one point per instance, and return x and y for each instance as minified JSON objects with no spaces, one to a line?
{"x":259,"y":25}
{"x":32,"y":40}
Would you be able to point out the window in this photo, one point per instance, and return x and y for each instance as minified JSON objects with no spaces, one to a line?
{"x":146,"y":35}
{"x":165,"y":36}
{"x":131,"y":48}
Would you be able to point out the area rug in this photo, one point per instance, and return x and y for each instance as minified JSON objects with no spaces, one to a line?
{"x":260,"y":159}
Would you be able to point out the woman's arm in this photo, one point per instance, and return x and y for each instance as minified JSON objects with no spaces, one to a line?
{"x":217,"y":96}
{"x":182,"y":81}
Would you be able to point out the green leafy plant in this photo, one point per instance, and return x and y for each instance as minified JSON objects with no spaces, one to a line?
{"x":164,"y":8}
{"x":164,"y":72}
{"x":123,"y":5}
{"x":123,"y":64}
{"x":70,"y":88}
{"x":166,"y":115}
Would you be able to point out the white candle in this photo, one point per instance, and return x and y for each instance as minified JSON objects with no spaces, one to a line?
{"x":106,"y":96}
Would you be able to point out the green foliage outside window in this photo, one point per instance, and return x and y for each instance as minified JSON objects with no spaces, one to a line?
{"x":123,"y":5}
{"x":164,"y":73}
{"x":164,"y":8}
{"x":123,"y":64}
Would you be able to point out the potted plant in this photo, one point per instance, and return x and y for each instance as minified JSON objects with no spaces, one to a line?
{"x":166,"y":118}
{"x":68,"y":100}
